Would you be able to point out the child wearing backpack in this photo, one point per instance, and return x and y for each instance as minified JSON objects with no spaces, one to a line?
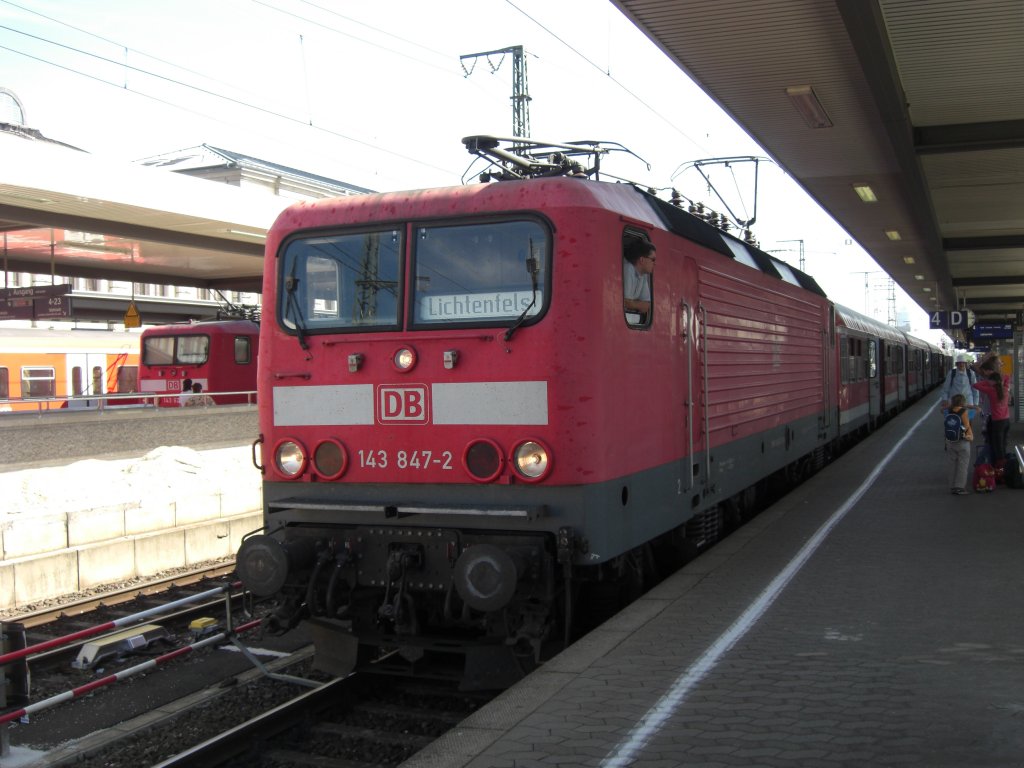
{"x":957,"y":425}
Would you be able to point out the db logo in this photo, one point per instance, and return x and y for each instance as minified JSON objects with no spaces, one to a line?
{"x":407,"y":404}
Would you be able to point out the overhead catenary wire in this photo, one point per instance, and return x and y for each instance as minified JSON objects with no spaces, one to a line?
{"x":607,"y":72}
{"x":279,"y":114}
{"x":198,"y":89}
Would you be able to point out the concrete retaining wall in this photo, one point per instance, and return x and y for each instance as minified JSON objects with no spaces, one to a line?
{"x":97,"y":522}
{"x":31,"y":579}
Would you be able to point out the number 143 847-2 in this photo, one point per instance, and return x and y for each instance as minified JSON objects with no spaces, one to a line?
{"x":382,"y":459}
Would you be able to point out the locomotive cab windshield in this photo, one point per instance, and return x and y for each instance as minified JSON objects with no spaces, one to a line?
{"x":495,"y":273}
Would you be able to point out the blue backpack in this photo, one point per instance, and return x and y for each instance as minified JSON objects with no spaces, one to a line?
{"x":954,"y":426}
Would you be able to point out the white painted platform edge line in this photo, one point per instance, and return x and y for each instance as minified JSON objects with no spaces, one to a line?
{"x":666,"y":706}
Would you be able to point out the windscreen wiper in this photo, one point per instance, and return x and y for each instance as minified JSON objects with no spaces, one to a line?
{"x":292,"y":309}
{"x":533,"y":267}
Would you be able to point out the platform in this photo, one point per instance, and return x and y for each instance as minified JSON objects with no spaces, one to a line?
{"x":870,"y":618}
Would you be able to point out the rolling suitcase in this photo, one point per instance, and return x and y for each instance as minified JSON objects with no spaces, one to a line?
{"x":984,"y":472}
{"x":984,"y":478}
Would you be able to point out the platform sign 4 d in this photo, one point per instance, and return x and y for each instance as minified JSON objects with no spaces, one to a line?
{"x":951,"y":319}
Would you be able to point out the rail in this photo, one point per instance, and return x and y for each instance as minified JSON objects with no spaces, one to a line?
{"x":124,"y":674}
{"x":108,"y":402}
{"x":134,"y":618}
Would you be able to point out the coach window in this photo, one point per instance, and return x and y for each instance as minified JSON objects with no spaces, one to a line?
{"x":5,"y":384}
{"x":872,"y":359}
{"x":128,"y":378}
{"x":638,"y":260}
{"x":38,"y":382}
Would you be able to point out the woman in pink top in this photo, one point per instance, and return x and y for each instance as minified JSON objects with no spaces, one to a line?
{"x":996,"y":386}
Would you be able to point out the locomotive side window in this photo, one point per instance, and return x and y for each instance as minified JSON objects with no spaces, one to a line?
{"x":243,"y":352}
{"x":638,"y":259}
{"x":480,"y":273}
{"x":38,"y":382}
{"x":341,"y":282}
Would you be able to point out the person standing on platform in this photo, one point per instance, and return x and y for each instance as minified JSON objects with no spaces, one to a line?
{"x":198,"y":398}
{"x":959,"y":382}
{"x":995,"y":385}
{"x":958,"y":447}
{"x":186,"y":393}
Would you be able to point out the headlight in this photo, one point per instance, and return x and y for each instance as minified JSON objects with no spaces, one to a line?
{"x":532,"y":460}
{"x":404,"y":359}
{"x":483,"y":460}
{"x":330,"y":459}
{"x":290,"y":458}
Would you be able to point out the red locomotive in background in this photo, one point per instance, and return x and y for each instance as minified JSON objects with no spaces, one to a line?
{"x":463,"y":428}
{"x":221,"y":355}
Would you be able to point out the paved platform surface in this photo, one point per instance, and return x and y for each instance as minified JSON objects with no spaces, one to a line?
{"x":862,"y":621}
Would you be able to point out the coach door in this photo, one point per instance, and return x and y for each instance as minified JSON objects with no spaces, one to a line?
{"x":85,"y":379}
{"x":875,"y":381}
{"x":828,"y":353}
{"x":900,"y":359}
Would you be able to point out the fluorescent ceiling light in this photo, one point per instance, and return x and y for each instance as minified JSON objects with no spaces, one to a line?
{"x":865,"y":193}
{"x":926,"y":290}
{"x":893,"y":234}
{"x":98,"y":247}
{"x":919,"y":277}
{"x":807,"y":104}
{"x":908,"y":259}
{"x":23,"y":196}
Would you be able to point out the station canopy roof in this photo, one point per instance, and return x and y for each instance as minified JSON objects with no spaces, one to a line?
{"x":922,"y":102}
{"x":127,"y":222}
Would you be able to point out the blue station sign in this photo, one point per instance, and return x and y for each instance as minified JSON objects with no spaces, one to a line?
{"x":992,"y":331}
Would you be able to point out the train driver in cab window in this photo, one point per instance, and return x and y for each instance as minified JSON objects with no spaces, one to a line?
{"x":637,"y":267}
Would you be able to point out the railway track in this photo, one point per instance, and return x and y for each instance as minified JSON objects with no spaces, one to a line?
{"x":352,"y":722}
{"x":81,"y":615}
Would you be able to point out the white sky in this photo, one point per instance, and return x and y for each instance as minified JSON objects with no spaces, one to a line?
{"x":374,"y":94}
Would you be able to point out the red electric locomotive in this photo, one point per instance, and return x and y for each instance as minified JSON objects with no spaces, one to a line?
{"x":462,"y":424}
{"x":221,"y":355}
